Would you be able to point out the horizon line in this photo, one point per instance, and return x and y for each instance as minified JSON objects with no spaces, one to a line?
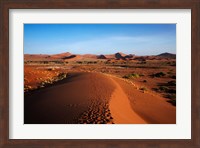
{"x":97,"y":54}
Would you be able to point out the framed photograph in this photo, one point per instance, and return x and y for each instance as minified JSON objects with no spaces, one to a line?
{"x":100,"y":73}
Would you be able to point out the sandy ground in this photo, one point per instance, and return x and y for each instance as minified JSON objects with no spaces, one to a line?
{"x":150,"y":107}
{"x":95,"y":98}
{"x":70,"y":100}
{"x":120,"y":108}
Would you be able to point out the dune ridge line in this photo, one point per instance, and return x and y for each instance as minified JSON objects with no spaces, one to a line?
{"x":120,"y":108}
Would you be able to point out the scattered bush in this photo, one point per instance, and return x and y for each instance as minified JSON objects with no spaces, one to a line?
{"x":126,"y":77}
{"x":50,"y":69}
{"x":143,"y":89}
{"x":173,"y":77}
{"x":141,"y":75}
{"x":166,"y":89}
{"x":172,"y":83}
{"x":155,"y":89}
{"x":79,"y":62}
{"x":159,"y":74}
{"x":171,"y":90}
{"x":173,"y":102}
{"x":169,"y":72}
{"x":171,"y":96}
{"x":135,"y":75}
{"x":173,"y":64}
{"x":62,"y":76}
{"x":163,"y":88}
{"x":142,"y":62}
{"x":131,"y":75}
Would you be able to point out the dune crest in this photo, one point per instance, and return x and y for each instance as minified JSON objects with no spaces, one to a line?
{"x":121,"y":110}
{"x":95,"y":98}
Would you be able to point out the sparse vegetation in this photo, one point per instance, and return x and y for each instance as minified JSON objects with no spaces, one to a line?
{"x":150,"y":74}
{"x":173,"y":63}
{"x":141,"y":75}
{"x":173,"y":102}
{"x":62,"y":76}
{"x":46,"y":82}
{"x":171,"y":96}
{"x":171,"y":91}
{"x":163,"y":88}
{"x":79,"y":62}
{"x":173,"y":77}
{"x":159,"y":74}
{"x":134,"y":75}
{"x":50,"y":69}
{"x":167,"y":89}
{"x":144,"y":81}
{"x":172,"y":83}
{"x":143,"y":88}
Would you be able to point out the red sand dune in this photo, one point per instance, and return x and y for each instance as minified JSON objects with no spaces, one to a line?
{"x":118,"y":55}
{"x":92,"y":56}
{"x":150,"y":107}
{"x":73,"y":58}
{"x":35,"y":57}
{"x":66,"y":100}
{"x":121,"y":108}
{"x":61,"y":55}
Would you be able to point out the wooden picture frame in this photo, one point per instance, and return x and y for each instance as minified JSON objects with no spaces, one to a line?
{"x":5,"y":5}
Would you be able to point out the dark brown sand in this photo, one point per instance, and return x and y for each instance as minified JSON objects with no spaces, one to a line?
{"x":70,"y":100}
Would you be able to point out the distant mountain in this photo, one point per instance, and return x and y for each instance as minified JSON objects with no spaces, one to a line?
{"x":61,"y":55}
{"x":130,"y":56}
{"x":90,"y":56}
{"x":117,"y":56}
{"x":167,"y":55}
{"x":69,"y":57}
{"x":102,"y":56}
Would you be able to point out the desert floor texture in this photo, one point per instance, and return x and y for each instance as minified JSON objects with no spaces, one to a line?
{"x":99,"y":89}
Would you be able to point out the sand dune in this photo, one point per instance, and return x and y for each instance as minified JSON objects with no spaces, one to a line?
{"x":154,"y":109}
{"x":67,"y":56}
{"x":121,"y":108}
{"x":67,"y":100}
{"x":95,"y":98}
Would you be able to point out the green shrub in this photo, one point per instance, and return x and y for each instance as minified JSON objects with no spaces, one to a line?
{"x":135,"y":75}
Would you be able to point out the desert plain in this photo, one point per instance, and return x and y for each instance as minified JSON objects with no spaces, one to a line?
{"x":118,"y":88}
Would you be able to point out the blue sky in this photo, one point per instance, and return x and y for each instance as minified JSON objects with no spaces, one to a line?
{"x":139,"y":39}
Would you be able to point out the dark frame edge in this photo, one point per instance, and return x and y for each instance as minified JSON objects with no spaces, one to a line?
{"x":195,"y":75}
{"x":4,"y":77}
{"x":194,"y":5}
